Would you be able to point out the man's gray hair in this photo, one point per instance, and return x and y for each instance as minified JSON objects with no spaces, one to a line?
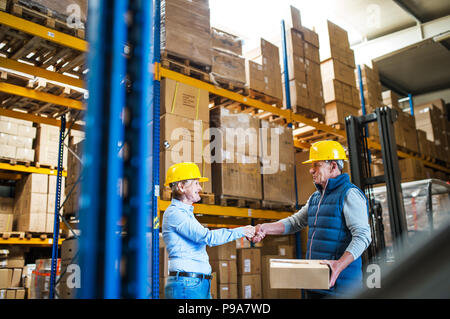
{"x":340,"y":164}
{"x":175,"y":190}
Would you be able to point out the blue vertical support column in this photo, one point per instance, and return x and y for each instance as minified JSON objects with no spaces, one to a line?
{"x":113,"y":245}
{"x":138,"y":140}
{"x":156,"y":133}
{"x":100,"y":201}
{"x":411,"y":104}
{"x":54,"y":268}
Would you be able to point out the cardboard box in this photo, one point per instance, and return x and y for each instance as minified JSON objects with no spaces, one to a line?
{"x":222,"y":252}
{"x":390,"y":98}
{"x":8,"y":151}
{"x":234,"y":132}
{"x":334,"y":69}
{"x":309,"y":36}
{"x":249,"y":287}
{"x":312,"y":53}
{"x":27,"y":131}
{"x":214,"y":286}
{"x":297,"y":69}
{"x":299,"y":274}
{"x":226,"y":271}
{"x":228,"y":67}
{"x":8,"y":127}
{"x":411,"y":169}
{"x":336,"y":112}
{"x":254,"y":76}
{"x":248,"y":261}
{"x":228,"y":291}
{"x":6,"y":222}
{"x":6,"y":205}
{"x":5,"y":277}
{"x":239,"y":179}
{"x":299,"y":96}
{"x":295,"y":43}
{"x":226,"y":41}
{"x":270,"y":293}
{"x":16,"y":278}
{"x":184,"y":100}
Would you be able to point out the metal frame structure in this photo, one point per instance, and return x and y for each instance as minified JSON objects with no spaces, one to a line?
{"x":361,"y":174}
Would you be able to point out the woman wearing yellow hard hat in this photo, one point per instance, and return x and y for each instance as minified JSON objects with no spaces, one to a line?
{"x":337,"y":219}
{"x":186,"y":238}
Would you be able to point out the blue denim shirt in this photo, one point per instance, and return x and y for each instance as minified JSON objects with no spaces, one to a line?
{"x":186,"y":238}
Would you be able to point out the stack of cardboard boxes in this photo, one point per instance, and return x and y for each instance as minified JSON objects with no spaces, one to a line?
{"x":305,"y":79}
{"x":263,"y":70}
{"x":228,"y":65}
{"x":184,"y":128}
{"x":185,"y":30}
{"x":338,"y":74}
{"x":249,"y":273}
{"x":16,"y":139}
{"x":74,"y":167}
{"x":223,"y":262}
{"x":236,"y":167}
{"x":34,"y":206}
{"x":371,"y":87}
{"x":47,"y":146}
{"x":430,"y":119}
{"x":277,"y":159}
{"x":11,"y":266}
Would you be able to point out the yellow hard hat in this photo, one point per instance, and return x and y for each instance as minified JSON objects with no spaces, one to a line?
{"x":325,"y":151}
{"x":183,"y":171}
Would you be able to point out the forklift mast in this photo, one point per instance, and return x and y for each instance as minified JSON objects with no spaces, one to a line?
{"x":360,"y":160}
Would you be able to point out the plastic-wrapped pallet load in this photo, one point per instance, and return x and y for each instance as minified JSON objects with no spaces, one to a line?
{"x":185,"y":30}
{"x":228,"y":65}
{"x":40,"y":279}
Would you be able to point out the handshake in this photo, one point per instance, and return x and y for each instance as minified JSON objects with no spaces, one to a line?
{"x":254,"y":233}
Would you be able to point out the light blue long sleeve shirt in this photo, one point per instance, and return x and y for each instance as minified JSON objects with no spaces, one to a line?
{"x":356,"y":219}
{"x":186,"y":238}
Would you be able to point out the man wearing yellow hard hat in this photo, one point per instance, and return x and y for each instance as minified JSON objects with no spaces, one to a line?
{"x":186,"y":238}
{"x":337,"y":217}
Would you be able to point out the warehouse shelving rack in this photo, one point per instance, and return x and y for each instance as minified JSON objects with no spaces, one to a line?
{"x":256,"y":107}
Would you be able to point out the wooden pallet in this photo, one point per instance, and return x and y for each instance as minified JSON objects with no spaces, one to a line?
{"x":272,"y":205}
{"x":18,"y":45}
{"x":14,"y":234}
{"x":309,"y":113}
{"x":38,"y":13}
{"x":265,"y":98}
{"x":234,"y":201}
{"x":14,"y":161}
{"x":229,"y":84}
{"x":35,"y":106}
{"x":185,"y":66}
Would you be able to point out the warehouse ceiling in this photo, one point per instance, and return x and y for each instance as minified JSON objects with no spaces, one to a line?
{"x":417,"y":69}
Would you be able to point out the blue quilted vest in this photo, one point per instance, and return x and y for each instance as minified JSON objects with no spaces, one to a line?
{"x":328,"y":235}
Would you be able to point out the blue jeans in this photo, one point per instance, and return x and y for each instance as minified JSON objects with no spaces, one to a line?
{"x":178,"y":287}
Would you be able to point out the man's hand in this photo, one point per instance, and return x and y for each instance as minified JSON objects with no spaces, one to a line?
{"x":338,"y":265}
{"x":249,"y":232}
{"x":260,"y":234}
